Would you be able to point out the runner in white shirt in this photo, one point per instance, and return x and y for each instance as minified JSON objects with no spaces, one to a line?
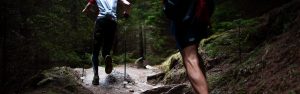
{"x":104,"y":33}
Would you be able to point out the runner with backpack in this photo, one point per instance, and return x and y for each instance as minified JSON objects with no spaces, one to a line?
{"x":190,"y":20}
{"x":104,"y":32}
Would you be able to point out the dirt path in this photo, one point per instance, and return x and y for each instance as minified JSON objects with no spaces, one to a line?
{"x":113,"y":83}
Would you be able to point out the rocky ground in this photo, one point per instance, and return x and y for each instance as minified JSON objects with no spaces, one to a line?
{"x":113,"y":83}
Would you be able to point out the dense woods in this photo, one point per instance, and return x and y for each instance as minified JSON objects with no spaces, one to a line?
{"x":39,"y":34}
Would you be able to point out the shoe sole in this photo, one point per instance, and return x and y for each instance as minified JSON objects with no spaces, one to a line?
{"x":95,"y":82}
{"x":108,"y":64}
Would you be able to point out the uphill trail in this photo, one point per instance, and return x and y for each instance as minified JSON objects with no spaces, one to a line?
{"x":113,"y":83}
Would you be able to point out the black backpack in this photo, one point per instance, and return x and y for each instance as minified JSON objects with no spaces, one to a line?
{"x":179,"y":10}
{"x":184,"y":10}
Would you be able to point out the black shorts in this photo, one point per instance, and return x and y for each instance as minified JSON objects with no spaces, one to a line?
{"x":104,"y":35}
{"x":188,"y":34}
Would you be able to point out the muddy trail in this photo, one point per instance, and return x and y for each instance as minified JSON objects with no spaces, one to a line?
{"x":113,"y":83}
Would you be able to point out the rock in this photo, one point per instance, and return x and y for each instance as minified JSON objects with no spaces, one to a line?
{"x":154,"y":79}
{"x":44,"y":81}
{"x":149,"y":67}
{"x":117,"y":77}
{"x":61,"y":80}
{"x":169,"y":89}
{"x":158,"y":90}
{"x":111,"y":79}
{"x":178,"y":89}
{"x":174,"y":61}
{"x":71,"y":88}
{"x":139,"y":62}
{"x":174,"y":64}
{"x":131,"y":90}
{"x":175,"y":76}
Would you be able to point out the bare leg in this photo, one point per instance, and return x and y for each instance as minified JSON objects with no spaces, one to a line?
{"x":195,"y":75}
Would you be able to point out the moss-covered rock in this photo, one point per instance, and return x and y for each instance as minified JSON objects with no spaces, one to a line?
{"x":171,"y":62}
{"x":58,"y":80}
{"x":174,"y":70}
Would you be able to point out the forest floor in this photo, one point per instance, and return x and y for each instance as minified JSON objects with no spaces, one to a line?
{"x":113,"y":83}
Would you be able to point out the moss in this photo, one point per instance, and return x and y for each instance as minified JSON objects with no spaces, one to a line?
{"x":175,"y":76}
{"x":251,"y":37}
{"x":174,"y":69}
{"x":292,"y":92}
{"x":213,"y":79}
{"x":219,"y":44}
{"x":166,"y":64}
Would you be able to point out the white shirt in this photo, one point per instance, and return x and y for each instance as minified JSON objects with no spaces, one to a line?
{"x":107,"y":7}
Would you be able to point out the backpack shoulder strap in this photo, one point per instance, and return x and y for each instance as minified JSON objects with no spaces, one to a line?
{"x":191,"y":8}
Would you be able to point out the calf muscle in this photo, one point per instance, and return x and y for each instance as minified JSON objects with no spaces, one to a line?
{"x":195,"y":75}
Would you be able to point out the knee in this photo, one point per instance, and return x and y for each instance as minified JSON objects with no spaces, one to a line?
{"x":190,"y":60}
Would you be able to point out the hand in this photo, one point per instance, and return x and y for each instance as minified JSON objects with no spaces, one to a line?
{"x":125,"y":15}
{"x":126,"y":2}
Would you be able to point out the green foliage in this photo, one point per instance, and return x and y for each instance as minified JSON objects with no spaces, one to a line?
{"x":154,"y":59}
{"x":239,"y":34}
{"x":62,"y":30}
{"x":146,"y":17}
{"x":228,"y":25}
{"x":228,"y":14}
{"x":238,"y":74}
{"x":120,"y":59}
{"x":39,"y":34}
{"x":224,"y":12}
{"x":218,"y":44}
{"x":214,"y":80}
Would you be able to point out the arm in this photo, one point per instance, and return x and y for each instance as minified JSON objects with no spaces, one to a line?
{"x":126,"y":7}
{"x":125,"y":2}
